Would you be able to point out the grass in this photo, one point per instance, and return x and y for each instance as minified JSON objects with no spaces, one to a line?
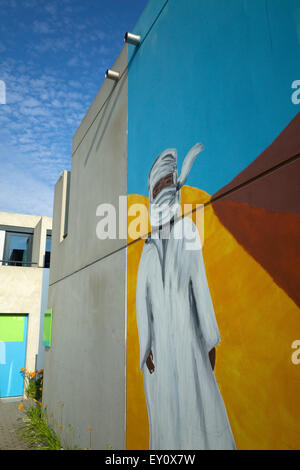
{"x":35,"y":427}
{"x":37,"y":431}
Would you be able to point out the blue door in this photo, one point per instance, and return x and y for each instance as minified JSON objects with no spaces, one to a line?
{"x":13,"y":340}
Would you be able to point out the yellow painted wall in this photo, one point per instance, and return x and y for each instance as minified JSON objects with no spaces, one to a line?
{"x":258,"y":323}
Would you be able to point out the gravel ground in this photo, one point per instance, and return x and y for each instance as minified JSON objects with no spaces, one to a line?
{"x":10,"y":422}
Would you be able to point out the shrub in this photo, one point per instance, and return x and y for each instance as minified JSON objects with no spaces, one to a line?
{"x":33,"y":383}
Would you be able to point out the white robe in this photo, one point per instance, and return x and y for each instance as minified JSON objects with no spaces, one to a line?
{"x":176,"y":321}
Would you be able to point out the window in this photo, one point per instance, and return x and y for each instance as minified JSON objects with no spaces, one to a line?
{"x":17,"y":249}
{"x":47,"y":252}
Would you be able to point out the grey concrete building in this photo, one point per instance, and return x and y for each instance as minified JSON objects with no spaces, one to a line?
{"x":84,"y":383}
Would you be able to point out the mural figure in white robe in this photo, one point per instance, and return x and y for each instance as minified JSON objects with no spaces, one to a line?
{"x":177,"y":327}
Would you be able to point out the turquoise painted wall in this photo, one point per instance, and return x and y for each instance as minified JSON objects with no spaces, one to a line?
{"x":218,"y":72}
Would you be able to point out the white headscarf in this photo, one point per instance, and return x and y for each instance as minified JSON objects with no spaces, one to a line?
{"x":166,"y":204}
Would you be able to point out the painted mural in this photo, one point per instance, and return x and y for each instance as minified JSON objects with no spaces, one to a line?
{"x":211,"y":331}
{"x":178,"y":332}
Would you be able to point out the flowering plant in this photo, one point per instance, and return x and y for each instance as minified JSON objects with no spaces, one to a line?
{"x":33,"y":383}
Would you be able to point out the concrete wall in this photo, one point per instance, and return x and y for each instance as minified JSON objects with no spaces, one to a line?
{"x":2,"y":241}
{"x":39,"y":240}
{"x":43,"y":308}
{"x":19,"y":220}
{"x":84,"y":384}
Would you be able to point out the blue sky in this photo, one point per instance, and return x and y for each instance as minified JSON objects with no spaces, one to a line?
{"x":53,"y":57}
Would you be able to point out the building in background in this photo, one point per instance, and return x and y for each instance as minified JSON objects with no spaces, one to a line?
{"x":224,"y":75}
{"x":25,"y":247}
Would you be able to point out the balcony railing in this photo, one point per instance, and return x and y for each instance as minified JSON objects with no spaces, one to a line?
{"x":5,"y":262}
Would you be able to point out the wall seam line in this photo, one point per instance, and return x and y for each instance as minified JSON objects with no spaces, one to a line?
{"x":211,"y":201}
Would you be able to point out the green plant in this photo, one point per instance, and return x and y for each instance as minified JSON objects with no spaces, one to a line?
{"x":70,"y":436}
{"x":33,"y":383}
{"x":36,"y":429}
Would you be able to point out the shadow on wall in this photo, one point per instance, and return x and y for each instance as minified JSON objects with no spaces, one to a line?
{"x":44,"y":306}
{"x":264,"y":216}
{"x":104,"y":110}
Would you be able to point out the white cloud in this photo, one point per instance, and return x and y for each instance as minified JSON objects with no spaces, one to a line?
{"x":74,"y":83}
{"x":41,"y":27}
{"x":51,"y":8}
{"x":31,"y":102}
{"x":22,"y":190}
{"x":56,"y":104}
{"x":35,"y":111}
{"x":30,"y":3}
{"x":73,"y":62}
{"x":12,"y":97}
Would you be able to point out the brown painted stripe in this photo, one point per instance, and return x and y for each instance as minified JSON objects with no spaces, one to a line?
{"x":283,"y":150}
{"x":271,"y":238}
{"x":277,"y":189}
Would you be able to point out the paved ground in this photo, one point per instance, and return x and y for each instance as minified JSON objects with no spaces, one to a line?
{"x":10,"y":422}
